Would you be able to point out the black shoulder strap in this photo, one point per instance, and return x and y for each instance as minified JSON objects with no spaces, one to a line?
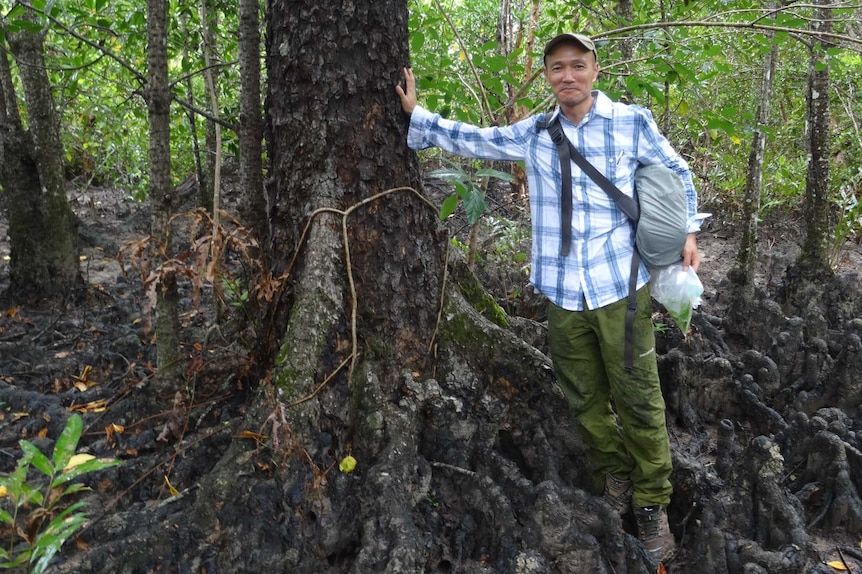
{"x":568,"y":152}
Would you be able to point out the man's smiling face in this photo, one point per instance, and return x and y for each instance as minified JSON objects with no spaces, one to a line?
{"x":571,"y":70}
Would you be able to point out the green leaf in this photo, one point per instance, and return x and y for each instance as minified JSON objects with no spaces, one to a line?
{"x":39,"y":460}
{"x":89,"y":466}
{"x":417,"y":40}
{"x":449,"y":174}
{"x":6,"y":517}
{"x":502,"y":175}
{"x":448,"y":206}
{"x":474,"y":205}
{"x":68,"y":441}
{"x":53,"y":538}
{"x":30,"y":494}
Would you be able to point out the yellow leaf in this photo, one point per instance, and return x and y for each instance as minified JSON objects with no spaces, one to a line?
{"x":347,"y":464}
{"x":81,"y":386}
{"x":3,"y":492}
{"x":171,"y":489}
{"x":735,"y":139}
{"x":42,"y":432}
{"x":837,"y":565}
{"x":78,"y":459}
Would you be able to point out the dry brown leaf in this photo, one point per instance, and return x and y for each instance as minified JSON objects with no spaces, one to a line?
{"x":92,"y":407}
{"x":661,"y":569}
{"x":43,"y":432}
{"x":81,"y":545}
{"x":19,"y":416}
{"x":837,"y":565}
{"x":61,"y":354}
{"x":252,"y":435}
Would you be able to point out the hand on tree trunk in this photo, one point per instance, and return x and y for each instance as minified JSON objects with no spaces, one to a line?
{"x":407,"y":94}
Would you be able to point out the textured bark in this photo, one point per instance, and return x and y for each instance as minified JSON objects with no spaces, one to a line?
{"x":742,"y":275}
{"x":161,"y":193}
{"x":42,"y":229}
{"x":818,"y":233}
{"x":253,"y":203}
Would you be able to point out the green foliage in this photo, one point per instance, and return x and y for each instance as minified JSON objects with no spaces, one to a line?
{"x":41,"y":515}
{"x":469,"y":189}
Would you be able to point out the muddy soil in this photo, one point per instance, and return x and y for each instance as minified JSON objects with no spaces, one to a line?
{"x":764,"y":416}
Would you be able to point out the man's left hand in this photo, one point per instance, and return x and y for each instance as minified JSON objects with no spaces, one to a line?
{"x":690,"y":254}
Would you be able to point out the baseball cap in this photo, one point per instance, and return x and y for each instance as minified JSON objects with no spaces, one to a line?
{"x":581,"y":39}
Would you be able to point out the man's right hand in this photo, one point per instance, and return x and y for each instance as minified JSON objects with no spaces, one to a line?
{"x":407,"y":94}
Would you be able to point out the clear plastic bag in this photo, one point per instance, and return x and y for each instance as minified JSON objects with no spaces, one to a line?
{"x":679,"y":290}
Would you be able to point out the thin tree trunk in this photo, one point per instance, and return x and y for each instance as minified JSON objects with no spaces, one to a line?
{"x":209,"y":26}
{"x":161,"y":193}
{"x":816,"y":247}
{"x":253,"y":203}
{"x":742,"y":275}
{"x":42,"y":227}
{"x":193,"y":124}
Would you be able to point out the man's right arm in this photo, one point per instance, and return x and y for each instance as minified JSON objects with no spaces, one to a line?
{"x":428,"y":130}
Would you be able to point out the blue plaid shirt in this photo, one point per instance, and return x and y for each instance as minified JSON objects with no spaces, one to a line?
{"x":615,"y":138}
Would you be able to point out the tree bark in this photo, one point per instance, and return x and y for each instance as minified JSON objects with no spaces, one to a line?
{"x":815,"y":249}
{"x":253,"y":203}
{"x":167,"y":323}
{"x":42,"y":228}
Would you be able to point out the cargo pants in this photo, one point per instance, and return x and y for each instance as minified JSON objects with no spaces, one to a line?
{"x":620,"y":412}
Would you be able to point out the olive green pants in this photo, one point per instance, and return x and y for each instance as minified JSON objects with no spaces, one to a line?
{"x":628,"y":439}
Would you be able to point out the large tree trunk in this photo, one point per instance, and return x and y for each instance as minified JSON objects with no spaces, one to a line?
{"x":253,"y":203}
{"x":42,"y":229}
{"x":161,"y":192}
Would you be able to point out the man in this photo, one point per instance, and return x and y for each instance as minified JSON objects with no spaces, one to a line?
{"x":587,"y":282}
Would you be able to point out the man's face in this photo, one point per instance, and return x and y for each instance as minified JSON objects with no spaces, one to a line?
{"x":571,"y":70}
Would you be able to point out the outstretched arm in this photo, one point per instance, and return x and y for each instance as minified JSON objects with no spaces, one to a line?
{"x":408,"y":93}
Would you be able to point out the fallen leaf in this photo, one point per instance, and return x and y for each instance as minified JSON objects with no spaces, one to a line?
{"x":171,"y":489}
{"x":78,"y":459}
{"x":252,"y":435}
{"x":19,"y":416}
{"x":82,"y":257}
{"x":3,"y":492}
{"x":61,"y":354}
{"x":42,"y":432}
{"x":91,"y":407}
{"x":837,"y":565}
{"x":80,"y":544}
{"x":81,"y":386}
{"x":661,"y":569}
{"x":347,"y":464}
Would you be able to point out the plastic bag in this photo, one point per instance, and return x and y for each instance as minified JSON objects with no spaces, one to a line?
{"x":678,"y":290}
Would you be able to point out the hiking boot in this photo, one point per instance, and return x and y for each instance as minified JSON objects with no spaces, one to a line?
{"x":654,"y":532}
{"x":618,"y":493}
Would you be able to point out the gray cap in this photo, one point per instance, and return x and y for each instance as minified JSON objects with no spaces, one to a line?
{"x":570,"y":37}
